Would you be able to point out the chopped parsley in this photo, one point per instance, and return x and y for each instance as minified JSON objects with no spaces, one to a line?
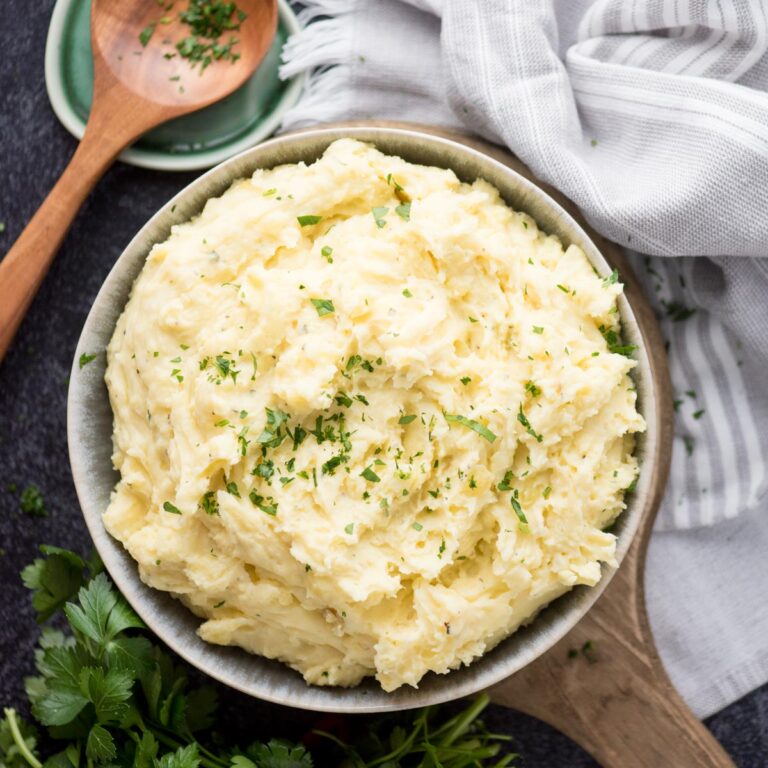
{"x":32,"y":502}
{"x":267,"y":505}
{"x":370,"y":475}
{"x":563,"y":288}
{"x":146,"y":34}
{"x":407,"y":293}
{"x":85,"y":359}
{"x":523,"y":419}
{"x":168,"y":507}
{"x":476,"y":426}
{"x":407,"y":419}
{"x":232,"y":489}
{"x":504,"y":485}
{"x":546,"y":492}
{"x":272,"y":435}
{"x":326,"y":252}
{"x":404,"y":211}
{"x":465,"y":380}
{"x":612,"y":279}
{"x":417,"y":526}
{"x":532,"y":389}
{"x":538,"y":329}
{"x":209,"y":503}
{"x":522,"y":519}
{"x":698,"y":414}
{"x":349,"y":528}
{"x":308,"y":221}
{"x":343,"y":399}
{"x":379,"y":213}
{"x":614,"y":343}
{"x":323,"y":306}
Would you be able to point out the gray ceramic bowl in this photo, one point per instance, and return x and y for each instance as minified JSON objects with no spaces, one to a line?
{"x":90,"y":437}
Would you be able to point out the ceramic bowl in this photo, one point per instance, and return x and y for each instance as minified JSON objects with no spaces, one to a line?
{"x":90,"y":437}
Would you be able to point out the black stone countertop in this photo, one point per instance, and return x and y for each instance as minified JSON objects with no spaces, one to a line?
{"x":34,"y":149}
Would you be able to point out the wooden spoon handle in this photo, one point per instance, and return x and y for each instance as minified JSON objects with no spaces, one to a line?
{"x":26,"y":264}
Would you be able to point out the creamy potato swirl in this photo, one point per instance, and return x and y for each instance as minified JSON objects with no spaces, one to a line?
{"x":368,"y":419}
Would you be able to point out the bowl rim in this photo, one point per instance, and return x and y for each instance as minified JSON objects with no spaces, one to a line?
{"x":546,"y":629}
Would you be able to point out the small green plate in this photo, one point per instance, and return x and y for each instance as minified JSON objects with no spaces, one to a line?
{"x":199,"y":140}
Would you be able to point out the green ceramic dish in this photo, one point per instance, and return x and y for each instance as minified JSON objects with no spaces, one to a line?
{"x":199,"y":140}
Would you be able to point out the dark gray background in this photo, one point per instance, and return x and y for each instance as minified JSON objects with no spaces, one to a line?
{"x":34,"y":149}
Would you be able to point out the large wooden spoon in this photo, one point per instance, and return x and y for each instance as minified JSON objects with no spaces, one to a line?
{"x":139,"y":81}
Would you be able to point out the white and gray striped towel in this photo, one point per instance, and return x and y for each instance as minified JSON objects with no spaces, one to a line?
{"x":652,"y":115}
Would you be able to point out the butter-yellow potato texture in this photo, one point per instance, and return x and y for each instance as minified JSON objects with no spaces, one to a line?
{"x":368,"y":419}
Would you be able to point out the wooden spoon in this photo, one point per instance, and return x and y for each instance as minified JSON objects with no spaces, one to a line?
{"x":138,"y":83}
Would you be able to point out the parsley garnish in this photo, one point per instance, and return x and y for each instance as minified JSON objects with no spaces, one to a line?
{"x":209,"y":503}
{"x":407,"y":419}
{"x":326,"y":252}
{"x":146,"y":34}
{"x":612,"y":279}
{"x":522,"y":520}
{"x":379,"y":212}
{"x":84,"y":360}
{"x":173,"y":509}
{"x":32,"y":503}
{"x":232,"y":489}
{"x":465,"y":380}
{"x":417,"y":526}
{"x":404,"y":211}
{"x":407,"y":293}
{"x":523,"y":419}
{"x":349,"y":528}
{"x":370,"y":475}
{"x":308,"y":221}
{"x":272,"y":435}
{"x":538,"y":329}
{"x":614,"y":345}
{"x":476,"y":426}
{"x":323,"y":306}
{"x":504,"y":485}
{"x":531,"y":388}
{"x":267,"y":505}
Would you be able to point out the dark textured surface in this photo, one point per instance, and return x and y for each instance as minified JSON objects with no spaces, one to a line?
{"x":33,"y":383}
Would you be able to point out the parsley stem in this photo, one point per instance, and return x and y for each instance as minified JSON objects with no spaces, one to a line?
{"x":458,"y":726}
{"x":18,"y":739}
{"x":169,"y":741}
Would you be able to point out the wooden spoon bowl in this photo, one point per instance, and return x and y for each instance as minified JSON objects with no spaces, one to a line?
{"x":139,"y":81}
{"x":155,"y":71}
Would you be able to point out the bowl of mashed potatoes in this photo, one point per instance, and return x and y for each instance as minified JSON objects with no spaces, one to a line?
{"x":371,"y":423}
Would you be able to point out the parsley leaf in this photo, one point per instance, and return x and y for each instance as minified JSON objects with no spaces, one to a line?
{"x":323,"y":306}
{"x":370,"y":475}
{"x":523,"y":419}
{"x":481,"y":429}
{"x":85,"y":359}
{"x":404,"y":211}
{"x":379,"y":213}
{"x":308,"y":221}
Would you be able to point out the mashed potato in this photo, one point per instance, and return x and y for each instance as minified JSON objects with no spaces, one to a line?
{"x":368,"y":419}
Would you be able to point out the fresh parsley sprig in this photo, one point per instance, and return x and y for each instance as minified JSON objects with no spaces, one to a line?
{"x":109,"y":696}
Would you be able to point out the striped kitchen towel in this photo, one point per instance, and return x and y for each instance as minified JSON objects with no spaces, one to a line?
{"x":652,"y":115}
